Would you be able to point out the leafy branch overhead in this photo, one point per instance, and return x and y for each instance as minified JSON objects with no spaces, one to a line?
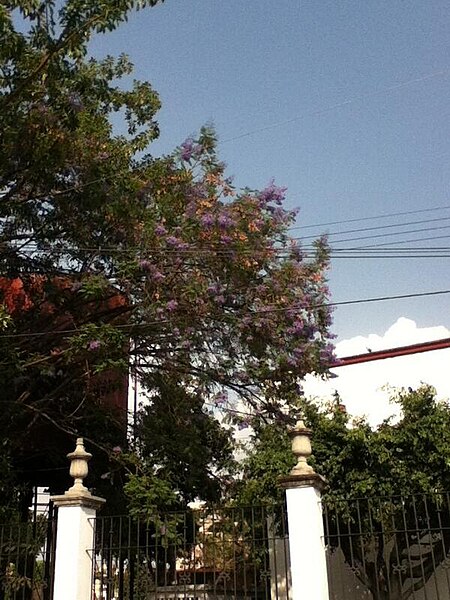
{"x":213,"y":287}
{"x":109,"y":255}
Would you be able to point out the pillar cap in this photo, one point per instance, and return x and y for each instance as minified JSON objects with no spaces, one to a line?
{"x":314,"y":480}
{"x":83,"y":500}
{"x":302,"y":474}
{"x":78,"y":494}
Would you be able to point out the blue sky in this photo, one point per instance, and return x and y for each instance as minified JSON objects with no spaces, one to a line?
{"x":365,"y":88}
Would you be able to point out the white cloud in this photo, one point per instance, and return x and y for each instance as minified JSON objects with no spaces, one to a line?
{"x":360,"y":386}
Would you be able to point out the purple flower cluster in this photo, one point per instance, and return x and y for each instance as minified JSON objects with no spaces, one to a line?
{"x":147,"y":266}
{"x":176,"y":243}
{"x":296,"y":328}
{"x":171,"y":305}
{"x":244,"y":423}
{"x":215,"y":288}
{"x":207,"y":220}
{"x":272,"y":193}
{"x":224,"y":221}
{"x":160,"y":229}
{"x":189,"y":150}
{"x":94,"y":345}
{"x":221,"y":399}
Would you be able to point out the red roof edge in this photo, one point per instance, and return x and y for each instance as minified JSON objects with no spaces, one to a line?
{"x":392,"y":353}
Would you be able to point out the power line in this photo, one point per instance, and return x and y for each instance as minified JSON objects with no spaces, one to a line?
{"x":136,"y":326}
{"x":370,"y":237}
{"x":33,"y":246}
{"x":425,"y":239}
{"x":374,"y":217}
{"x":375,"y":228}
{"x":322,"y":111}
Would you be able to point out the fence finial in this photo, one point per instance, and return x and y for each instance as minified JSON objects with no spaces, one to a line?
{"x":301,"y":448}
{"x":79,"y":467}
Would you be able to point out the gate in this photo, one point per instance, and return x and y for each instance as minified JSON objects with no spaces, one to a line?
{"x":389,"y":548}
{"x":239,"y":553}
{"x":27,"y":557}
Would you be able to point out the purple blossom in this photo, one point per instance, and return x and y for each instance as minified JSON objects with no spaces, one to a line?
{"x":157,"y":276}
{"x":117,"y":449}
{"x":200,"y":190}
{"x":172,"y":305}
{"x":160,"y":229}
{"x":219,"y":299}
{"x":171,"y":240}
{"x":215,"y":288}
{"x":296,"y":329}
{"x":272,"y":193}
{"x":207,"y":220}
{"x":191,"y":209}
{"x":220,"y":399}
{"x":225,"y":221}
{"x":190,"y":150}
{"x":187,"y":149}
{"x":327,"y":354}
{"x":279,"y":215}
{"x":145,"y":264}
{"x":94,"y":345}
{"x":244,"y":423}
{"x":225,"y":239}
{"x":175,"y":242}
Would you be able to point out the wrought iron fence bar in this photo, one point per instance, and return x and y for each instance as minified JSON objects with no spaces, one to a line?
{"x":433,"y":559}
{"x":420,"y":546}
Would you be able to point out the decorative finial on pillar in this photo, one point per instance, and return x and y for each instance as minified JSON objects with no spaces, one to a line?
{"x":302,"y":474}
{"x":301,"y":448}
{"x":78,"y":494}
{"x":79,"y":467}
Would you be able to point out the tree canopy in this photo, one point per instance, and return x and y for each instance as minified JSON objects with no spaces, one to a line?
{"x":109,"y":254}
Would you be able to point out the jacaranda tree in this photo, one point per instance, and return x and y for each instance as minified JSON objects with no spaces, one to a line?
{"x":111,"y":256}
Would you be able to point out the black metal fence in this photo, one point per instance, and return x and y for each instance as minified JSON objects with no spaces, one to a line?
{"x":389,"y":548}
{"x":208,"y":553}
{"x":26,"y":558}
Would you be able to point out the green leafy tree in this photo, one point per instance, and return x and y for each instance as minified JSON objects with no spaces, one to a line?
{"x":386,"y":501}
{"x":109,"y":254}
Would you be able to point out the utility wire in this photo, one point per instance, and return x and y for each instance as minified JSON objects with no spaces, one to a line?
{"x":377,"y":227}
{"x":327,"y":109}
{"x":32,"y":246}
{"x":374,"y":217}
{"x":137,"y":326}
{"x":386,"y":244}
{"x":369,"y":237}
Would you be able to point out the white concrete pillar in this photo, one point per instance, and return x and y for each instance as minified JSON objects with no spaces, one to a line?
{"x":305,"y":522}
{"x":77,"y":509}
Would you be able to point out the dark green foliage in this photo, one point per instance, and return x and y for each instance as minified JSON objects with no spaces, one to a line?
{"x":380,"y":481}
